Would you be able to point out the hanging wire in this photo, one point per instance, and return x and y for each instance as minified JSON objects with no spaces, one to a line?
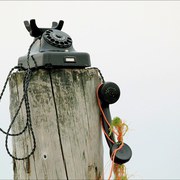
{"x":100,"y":73}
{"x":25,"y":99}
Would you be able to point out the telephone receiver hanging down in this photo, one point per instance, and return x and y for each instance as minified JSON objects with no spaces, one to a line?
{"x":109,"y":93}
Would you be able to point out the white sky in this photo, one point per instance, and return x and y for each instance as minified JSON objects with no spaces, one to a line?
{"x":136,"y":45}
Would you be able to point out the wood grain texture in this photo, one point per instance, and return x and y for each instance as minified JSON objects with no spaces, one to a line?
{"x":65,"y":119}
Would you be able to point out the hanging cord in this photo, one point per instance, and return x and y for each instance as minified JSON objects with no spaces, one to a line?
{"x":19,"y":107}
{"x":25,"y":99}
{"x":119,"y":129}
{"x":100,"y":73}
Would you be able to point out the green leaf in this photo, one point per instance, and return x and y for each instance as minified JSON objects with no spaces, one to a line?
{"x":116,"y":121}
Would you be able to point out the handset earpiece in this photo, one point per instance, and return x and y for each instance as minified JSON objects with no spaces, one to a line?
{"x":109,"y":93}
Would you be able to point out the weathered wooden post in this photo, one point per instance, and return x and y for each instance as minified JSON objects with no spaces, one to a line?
{"x":64,"y":113}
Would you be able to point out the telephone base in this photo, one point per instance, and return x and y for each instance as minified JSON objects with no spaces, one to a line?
{"x":56,"y":60}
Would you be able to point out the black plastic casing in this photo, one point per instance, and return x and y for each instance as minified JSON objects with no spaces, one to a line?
{"x":56,"y":59}
{"x":49,"y":52}
{"x":123,"y":155}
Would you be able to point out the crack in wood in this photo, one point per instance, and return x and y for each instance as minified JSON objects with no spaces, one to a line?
{"x":59,"y":133}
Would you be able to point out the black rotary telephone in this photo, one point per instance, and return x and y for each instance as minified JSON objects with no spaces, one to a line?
{"x":52,"y":49}
{"x":109,"y":93}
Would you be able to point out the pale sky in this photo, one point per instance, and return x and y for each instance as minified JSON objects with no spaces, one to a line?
{"x":135,"y":44}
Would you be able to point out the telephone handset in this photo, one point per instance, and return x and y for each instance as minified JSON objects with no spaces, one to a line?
{"x":53,"y":48}
{"x":109,"y":93}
